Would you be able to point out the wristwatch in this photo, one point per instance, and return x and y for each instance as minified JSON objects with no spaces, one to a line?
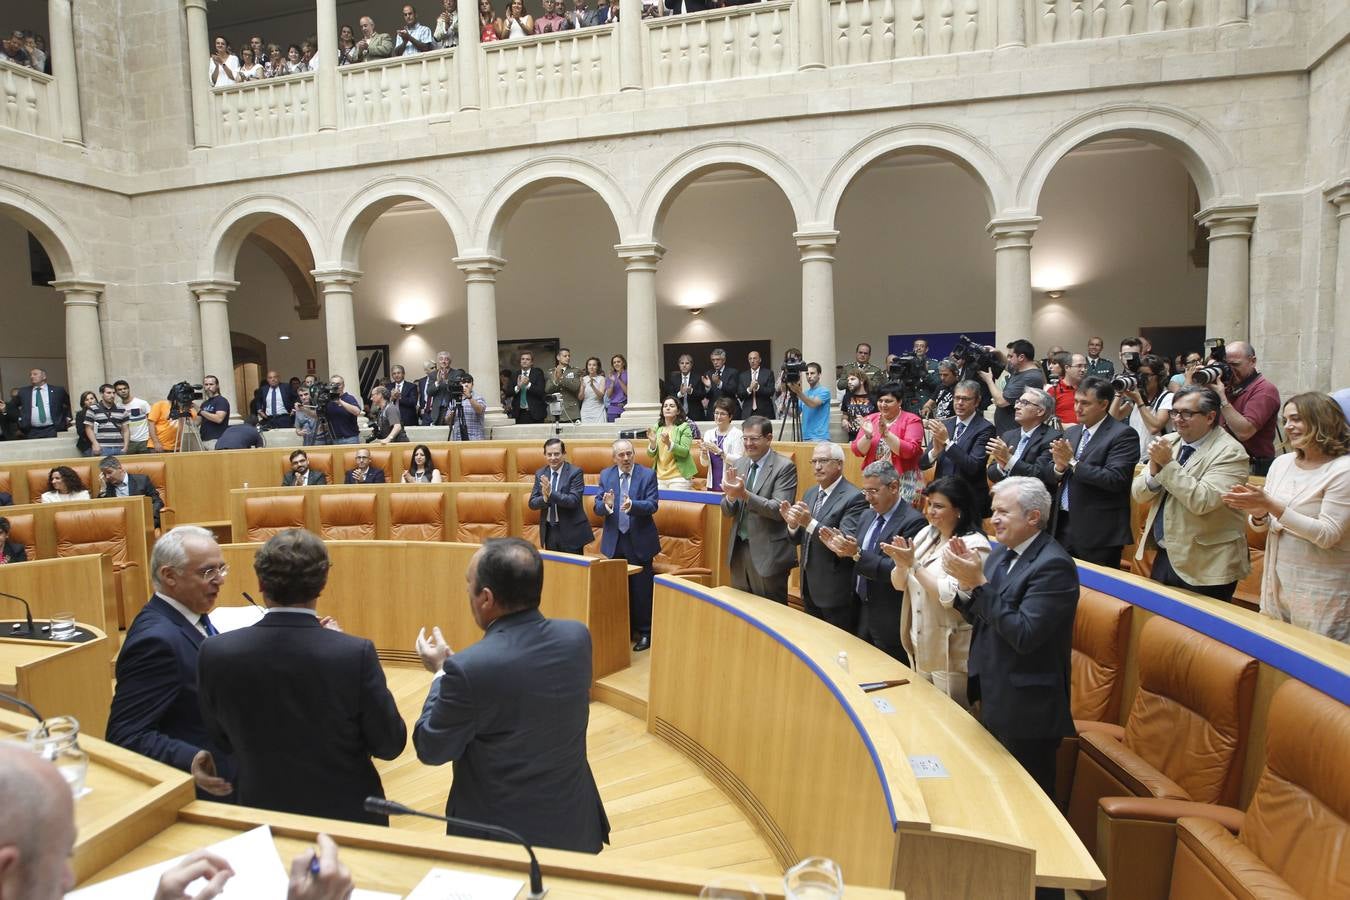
{"x":857,"y":557}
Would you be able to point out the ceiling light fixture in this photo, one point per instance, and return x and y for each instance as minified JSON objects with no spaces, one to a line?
{"x":1054,"y":295}
{"x":696,"y":311}
{"x":283,"y":337}
{"x":407,"y":327}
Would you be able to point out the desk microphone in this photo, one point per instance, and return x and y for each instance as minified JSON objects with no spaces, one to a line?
{"x":381,"y":806}
{"x":28,"y":612}
{"x":250,"y":599}
{"x":27,"y":707}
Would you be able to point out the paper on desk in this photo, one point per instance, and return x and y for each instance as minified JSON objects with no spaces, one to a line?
{"x":447,"y":884}
{"x":258,"y":872}
{"x":230,"y":618}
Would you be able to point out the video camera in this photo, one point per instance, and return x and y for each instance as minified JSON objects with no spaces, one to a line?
{"x":451,"y":390}
{"x":320,"y":395}
{"x":181,"y":397}
{"x":975,"y":355}
{"x":792,"y":371}
{"x":1216,"y":368}
{"x":906,"y":370}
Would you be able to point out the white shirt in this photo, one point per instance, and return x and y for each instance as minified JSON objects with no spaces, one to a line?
{"x":1020,"y":549}
{"x":292,"y":609}
{"x":229,"y":71}
{"x":421,"y":33}
{"x":46,"y":392}
{"x":192,"y":617}
{"x":1155,"y":485}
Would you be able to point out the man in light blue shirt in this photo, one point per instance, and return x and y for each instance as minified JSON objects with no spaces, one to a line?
{"x":814,"y":398}
{"x":413,"y":37}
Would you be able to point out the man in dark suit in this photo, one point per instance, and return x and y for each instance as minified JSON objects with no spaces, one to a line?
{"x":118,"y":482}
{"x":889,"y":517}
{"x":363,"y":472}
{"x":274,"y":403}
{"x":511,"y":710}
{"x":720,"y":381}
{"x":528,"y":403}
{"x":627,"y":500}
{"x":687,"y":389}
{"x":1021,"y":603}
{"x":1025,"y":450}
{"x":960,"y":444}
{"x":10,"y":551}
{"x":1094,"y":464}
{"x":155,"y":709}
{"x":44,"y":409}
{"x":300,"y":473}
{"x":827,"y":579}
{"x":557,"y":494}
{"x":753,"y":490}
{"x":754,"y":388}
{"x":301,"y":706}
{"x":404,"y":394}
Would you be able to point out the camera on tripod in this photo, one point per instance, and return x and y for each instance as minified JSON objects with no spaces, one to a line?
{"x":973,"y":354}
{"x":181,"y":397}
{"x":792,"y":371}
{"x":1129,"y":379}
{"x":320,"y":395}
{"x":1216,"y":368}
{"x":906,"y":370}
{"x":451,"y":390}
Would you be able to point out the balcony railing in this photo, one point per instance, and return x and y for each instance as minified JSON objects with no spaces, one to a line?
{"x":410,"y":87}
{"x":559,"y":66}
{"x":28,"y":101}
{"x":257,"y":110}
{"x":736,"y":42}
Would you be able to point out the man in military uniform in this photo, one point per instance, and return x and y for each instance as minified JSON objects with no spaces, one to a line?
{"x":565,"y":380}
{"x":862,"y":367}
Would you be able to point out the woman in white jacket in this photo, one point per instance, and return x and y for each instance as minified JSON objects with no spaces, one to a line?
{"x":933,"y":633}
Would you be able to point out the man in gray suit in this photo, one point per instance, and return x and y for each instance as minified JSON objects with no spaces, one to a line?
{"x":827,"y":580}
{"x":511,"y":710}
{"x":753,"y":491}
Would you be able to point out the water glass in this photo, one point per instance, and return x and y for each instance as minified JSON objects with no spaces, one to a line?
{"x":731,"y":887}
{"x":63,"y":626}
{"x":814,"y":878}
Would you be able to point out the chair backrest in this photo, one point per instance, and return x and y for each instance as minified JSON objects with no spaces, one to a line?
{"x":379,"y":459}
{"x":39,"y":485}
{"x":528,"y":461}
{"x":592,"y":461}
{"x":481,"y":515}
{"x":347,"y":516}
{"x":1101,"y":635}
{"x":156,"y":469}
{"x":597,"y":522}
{"x":417,"y":516}
{"x":484,"y":464}
{"x":1191,"y":713}
{"x":23,"y":530}
{"x":319,"y":461}
{"x":6,"y":483}
{"x":529,"y":522}
{"x":81,"y":531}
{"x":1297,"y":820}
{"x":266,"y":516}
{"x":680,"y":524}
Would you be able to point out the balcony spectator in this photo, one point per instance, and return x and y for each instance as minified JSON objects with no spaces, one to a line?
{"x":551,"y":21}
{"x":249,"y":68}
{"x":274,"y":64}
{"x":37,"y":57}
{"x":224,"y":66}
{"x":259,"y":48}
{"x":487,"y":22}
{"x":857,"y":404}
{"x":593,"y":392}
{"x":446,"y":30}
{"x":579,"y":16}
{"x":605,"y":12}
{"x":616,"y":387}
{"x":373,"y":44}
{"x":295,"y":60}
{"x":413,"y":37}
{"x":306,"y":418}
{"x":82,"y":442}
{"x":13,"y":50}
{"x":309,"y":51}
{"x":515,"y":22}
{"x":346,"y":46}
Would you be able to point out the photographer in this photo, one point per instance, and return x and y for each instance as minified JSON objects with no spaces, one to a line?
{"x":468,"y":410}
{"x":215,"y":412}
{"x":1248,"y":403}
{"x":386,"y":421}
{"x":1023,"y":373}
{"x":1148,"y":407}
{"x":166,"y":417}
{"x":972,"y":361}
{"x":940,"y":406}
{"x":342,"y":412}
{"x":815,"y":404}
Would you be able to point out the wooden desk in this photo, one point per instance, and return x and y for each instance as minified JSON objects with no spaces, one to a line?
{"x":80,"y":585}
{"x":60,"y":678}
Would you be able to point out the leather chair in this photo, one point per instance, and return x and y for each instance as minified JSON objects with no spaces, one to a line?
{"x":529,"y":522}
{"x":23,"y":531}
{"x":417,"y":516}
{"x":1248,"y":593}
{"x":592,"y":461}
{"x":482,"y":464}
{"x":683,"y":544}
{"x":6,"y":483}
{"x":1184,"y":739}
{"x":39,"y":485}
{"x":319,"y":461}
{"x":379,"y":459}
{"x":528,"y":461}
{"x":347,"y":516}
{"x":157,"y":471}
{"x":1101,"y":636}
{"x":103,"y":531}
{"x":480,"y":515}
{"x":266,"y":516}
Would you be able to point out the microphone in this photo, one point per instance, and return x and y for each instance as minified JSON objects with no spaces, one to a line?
{"x":28,"y":613}
{"x":27,"y":707}
{"x":249,"y":599}
{"x":381,"y":806}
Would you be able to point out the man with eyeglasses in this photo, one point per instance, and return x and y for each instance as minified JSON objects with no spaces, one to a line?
{"x":827,"y":579}
{"x":362,"y":472}
{"x":1025,"y":449}
{"x":155,"y":709}
{"x":959,"y":445}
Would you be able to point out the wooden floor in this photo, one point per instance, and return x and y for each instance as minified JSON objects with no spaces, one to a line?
{"x":660,"y":805}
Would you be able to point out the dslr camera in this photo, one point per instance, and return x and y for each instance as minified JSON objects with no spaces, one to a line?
{"x":1127,"y":380}
{"x":792,"y":371}
{"x":1216,"y":367}
{"x":972,"y":354}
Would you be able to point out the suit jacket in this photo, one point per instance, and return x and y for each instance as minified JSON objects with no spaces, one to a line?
{"x":1206,"y":541}
{"x":408,"y":400}
{"x":259,"y":405}
{"x":374,"y":475}
{"x":303,"y":709}
{"x":1021,"y":642}
{"x":59,"y":413}
{"x":139,"y":486}
{"x":568,"y":389}
{"x":313,"y":476}
{"x":537,"y":410}
{"x":6,"y":498}
{"x":511,"y":712}
{"x":827,"y":579}
{"x":155,"y":709}
{"x":14,"y":552}
{"x":1099,"y":485}
{"x":573,"y":526}
{"x":876,"y":566}
{"x":727,"y":388}
{"x":641,"y":529}
{"x":692,"y":404}
{"x":378,"y":46}
{"x":772,"y":550}
{"x":1035,"y":462}
{"x":966,"y":459}
{"x":761,"y":398}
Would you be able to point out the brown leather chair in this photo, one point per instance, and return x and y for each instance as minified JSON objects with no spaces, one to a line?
{"x":103,"y":531}
{"x":319,"y":461}
{"x":529,"y":522}
{"x":38,"y":479}
{"x":22,"y":531}
{"x":347,"y":516}
{"x":592,"y":461}
{"x":6,"y":483}
{"x":417,"y":516}
{"x":1248,"y":591}
{"x":683,"y":544}
{"x":528,"y":461}
{"x":1185,"y":736}
{"x":480,"y":515}
{"x":157,"y":471}
{"x":482,"y":464}
{"x":266,"y":516}
{"x":379,"y":459}
{"x":597,"y":523}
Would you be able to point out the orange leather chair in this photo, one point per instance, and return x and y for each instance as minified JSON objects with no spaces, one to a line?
{"x":597,"y":523}
{"x":22,"y":531}
{"x":683,"y":544}
{"x":319,"y":461}
{"x":1184,"y":739}
{"x":6,"y":483}
{"x":481,"y":515}
{"x":379,"y":459}
{"x":157,"y":471}
{"x":528,"y":461}
{"x":38,"y":483}
{"x":416,"y":516}
{"x":529,"y":522}
{"x":1248,"y":591}
{"x":482,"y":464}
{"x":266,"y":516}
{"x":103,"y":531}
{"x":347,"y":516}
{"x":592,"y":461}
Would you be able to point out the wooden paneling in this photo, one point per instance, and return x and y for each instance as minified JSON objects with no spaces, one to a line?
{"x":60,"y":679}
{"x":80,"y":585}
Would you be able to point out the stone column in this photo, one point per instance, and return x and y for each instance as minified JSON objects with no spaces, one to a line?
{"x":1012,"y":277}
{"x":480,"y":293}
{"x":630,"y":45}
{"x":199,"y":63}
{"x":84,"y":337}
{"x":1227,"y":313}
{"x":1339,"y":195}
{"x":340,"y":323}
{"x":644,"y":349}
{"x":817,"y":251}
{"x":1012,"y":24}
{"x":1232,"y":12}
{"x":466,"y":62}
{"x":62,"y":48}
{"x":326,"y":83}
{"x":213,"y":312}
{"x":811,"y":29}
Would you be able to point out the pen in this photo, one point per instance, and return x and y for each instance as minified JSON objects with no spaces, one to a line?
{"x":314,"y":864}
{"x":870,"y":686}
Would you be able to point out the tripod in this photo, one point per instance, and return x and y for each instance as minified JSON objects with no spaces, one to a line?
{"x":323,"y":431}
{"x":792,"y":415}
{"x":189,"y":438}
{"x":454,"y":416}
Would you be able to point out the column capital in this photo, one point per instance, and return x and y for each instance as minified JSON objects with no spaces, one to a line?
{"x":480,"y":267}
{"x":641,"y":255}
{"x":1228,"y":220}
{"x":337,"y":277}
{"x":195,"y":4}
{"x":1338,"y":194}
{"x":79,"y":286}
{"x":1012,"y":231}
{"x":219,"y":289}
{"x":820,"y":239}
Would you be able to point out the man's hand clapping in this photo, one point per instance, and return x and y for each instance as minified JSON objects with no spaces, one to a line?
{"x":999,"y":451}
{"x":1159,"y":454}
{"x":839,"y":543}
{"x":1062,"y":453}
{"x":937,"y":432}
{"x":963,"y":564}
{"x":433,"y":649}
{"x":733,"y":484}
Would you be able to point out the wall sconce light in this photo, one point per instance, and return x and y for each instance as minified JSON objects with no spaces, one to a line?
{"x":696,"y":311}
{"x":283,"y":337}
{"x":408,"y":327}
{"x":1054,"y":295}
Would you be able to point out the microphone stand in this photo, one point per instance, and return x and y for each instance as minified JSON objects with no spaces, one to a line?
{"x":381,"y":806}
{"x":27,"y":611}
{"x":28,"y":708}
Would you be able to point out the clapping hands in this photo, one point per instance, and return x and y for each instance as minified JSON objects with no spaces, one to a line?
{"x":963,"y":564}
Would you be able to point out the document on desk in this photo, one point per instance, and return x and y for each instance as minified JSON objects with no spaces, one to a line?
{"x":258,"y":872}
{"x":231,"y":618}
{"x":447,"y":884}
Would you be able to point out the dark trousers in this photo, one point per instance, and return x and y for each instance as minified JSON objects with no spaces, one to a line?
{"x":745,"y":578}
{"x":40,"y":431}
{"x":639,"y":586}
{"x":1038,"y":757}
{"x":844,"y":617}
{"x":1102,"y":556}
{"x":880,"y":627}
{"x":551,"y":537}
{"x":276,"y":422}
{"x":1163,"y":573}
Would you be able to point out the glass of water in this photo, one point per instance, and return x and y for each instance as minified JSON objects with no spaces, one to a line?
{"x":731,"y":887}
{"x":814,"y":878}
{"x":63,"y":626}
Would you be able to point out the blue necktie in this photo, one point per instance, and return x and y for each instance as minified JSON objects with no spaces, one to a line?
{"x":960,"y":430}
{"x":623,"y":492}
{"x":870,"y":543}
{"x":1185,"y":454}
{"x":205,"y":622}
{"x":1017,"y":454}
{"x":553,"y":489}
{"x":1078,"y":454}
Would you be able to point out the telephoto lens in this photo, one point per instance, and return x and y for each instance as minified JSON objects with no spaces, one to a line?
{"x":1125,"y":383}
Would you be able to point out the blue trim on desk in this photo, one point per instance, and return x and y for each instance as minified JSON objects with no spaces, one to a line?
{"x":1315,"y":674}
{"x":707,"y":498}
{"x":801,"y":654}
{"x":566,"y":558}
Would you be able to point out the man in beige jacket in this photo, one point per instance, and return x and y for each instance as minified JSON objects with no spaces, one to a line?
{"x":1201,"y":543}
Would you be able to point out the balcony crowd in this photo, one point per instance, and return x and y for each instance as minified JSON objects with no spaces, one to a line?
{"x":26,"y":48}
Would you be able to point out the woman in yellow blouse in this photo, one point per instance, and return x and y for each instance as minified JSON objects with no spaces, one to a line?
{"x":669,"y":445}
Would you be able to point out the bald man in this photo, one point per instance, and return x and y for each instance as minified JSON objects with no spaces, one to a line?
{"x":37,"y":832}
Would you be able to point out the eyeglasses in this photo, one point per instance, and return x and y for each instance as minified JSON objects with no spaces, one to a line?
{"x":1186,"y":415}
{"x":210,"y":572}
{"x":1024,"y":403}
{"x":822,"y":462}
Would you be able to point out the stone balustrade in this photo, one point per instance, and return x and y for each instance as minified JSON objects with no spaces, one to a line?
{"x":28,"y":101}
{"x":736,"y":42}
{"x":258,"y":110}
{"x":561,"y":66}
{"x":410,"y":87}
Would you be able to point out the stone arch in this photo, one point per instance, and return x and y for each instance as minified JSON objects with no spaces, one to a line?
{"x":237,"y":221}
{"x":375,"y":198}
{"x":49,"y":228}
{"x":1207,"y":159}
{"x":507,"y":195}
{"x":947,"y":141}
{"x":718,"y":154}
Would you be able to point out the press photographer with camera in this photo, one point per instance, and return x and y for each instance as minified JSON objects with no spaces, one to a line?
{"x":215,"y":412}
{"x":465,"y":415}
{"x":972,"y":360}
{"x":815,"y":403}
{"x":1143,"y":397}
{"x":1023,"y":372}
{"x":386,"y":419}
{"x":1248,"y":401}
{"x":342,"y":410}
{"x":167,"y":415}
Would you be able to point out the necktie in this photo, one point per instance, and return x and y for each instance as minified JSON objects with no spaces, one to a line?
{"x":1006,"y":565}
{"x":623,"y":492}
{"x":205,"y":622}
{"x":524,"y":399}
{"x":816,"y":507}
{"x":743,"y":526}
{"x":274,"y":396}
{"x":754,"y":399}
{"x":1017,"y":454}
{"x":38,"y":392}
{"x":960,"y":430}
{"x":553,"y":489}
{"x":870,"y":543}
{"x":1078,"y":454}
{"x":1158,"y":535}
